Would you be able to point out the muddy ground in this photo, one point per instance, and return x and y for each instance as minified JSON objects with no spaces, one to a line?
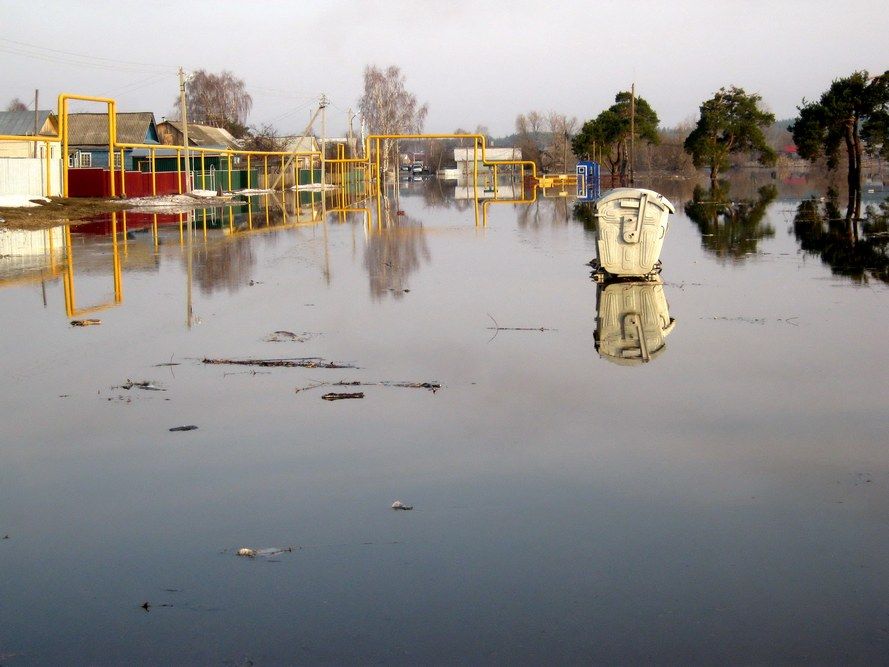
{"x":57,"y":211}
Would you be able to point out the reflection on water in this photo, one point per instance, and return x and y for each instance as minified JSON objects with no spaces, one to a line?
{"x":731,"y":228}
{"x":853,"y":248}
{"x":676,"y":514}
{"x":632,"y":322}
{"x":393,"y":252}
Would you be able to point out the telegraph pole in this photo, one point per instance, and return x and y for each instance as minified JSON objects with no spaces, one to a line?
{"x":322,"y":104}
{"x":183,"y":115}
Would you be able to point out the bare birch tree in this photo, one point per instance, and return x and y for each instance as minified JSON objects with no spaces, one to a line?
{"x":388,"y":107}
{"x":220,"y":100}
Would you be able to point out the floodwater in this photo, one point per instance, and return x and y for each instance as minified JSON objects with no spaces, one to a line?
{"x":721,"y":496}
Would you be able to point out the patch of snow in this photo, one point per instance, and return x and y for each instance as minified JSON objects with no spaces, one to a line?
{"x":20,"y":201}
{"x":253,"y":191}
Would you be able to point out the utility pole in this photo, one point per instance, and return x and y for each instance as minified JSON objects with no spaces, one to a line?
{"x":322,"y":105}
{"x":183,"y":116}
{"x":36,"y":119}
{"x":633,"y":134}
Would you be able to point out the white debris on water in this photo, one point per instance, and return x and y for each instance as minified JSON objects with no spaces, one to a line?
{"x":398,"y":505}
{"x":20,"y":201}
{"x":248,"y":552}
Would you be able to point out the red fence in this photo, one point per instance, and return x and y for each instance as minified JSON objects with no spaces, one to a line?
{"x":94,"y":183}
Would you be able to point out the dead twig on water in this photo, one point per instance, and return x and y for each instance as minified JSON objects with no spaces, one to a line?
{"x":85,"y":323}
{"x":497,"y":328}
{"x":333,"y":396}
{"x":431,"y":386}
{"x":301,"y":362}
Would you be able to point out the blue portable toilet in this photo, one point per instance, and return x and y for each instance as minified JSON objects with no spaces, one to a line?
{"x":588,"y":180}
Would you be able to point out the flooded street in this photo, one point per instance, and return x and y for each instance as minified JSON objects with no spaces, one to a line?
{"x":726,"y":498}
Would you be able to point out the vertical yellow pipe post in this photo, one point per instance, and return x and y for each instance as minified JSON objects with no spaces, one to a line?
{"x":475,"y":167}
{"x":63,"y":132}
{"x":282,"y":174}
{"x":47,"y":154}
{"x":123,"y":173}
{"x":179,"y":170}
{"x":265,"y":171}
{"x":248,"y":171}
{"x":203,"y":172}
{"x":153,"y":179}
{"x":229,"y":155}
{"x":112,"y":139}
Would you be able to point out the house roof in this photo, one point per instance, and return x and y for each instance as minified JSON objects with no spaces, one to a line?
{"x":297,"y":144}
{"x":205,"y":136}
{"x":22,"y":122}
{"x":91,"y":129}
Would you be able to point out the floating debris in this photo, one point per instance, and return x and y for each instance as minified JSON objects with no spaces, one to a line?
{"x":333,"y":396}
{"x":289,"y":337}
{"x":398,"y":505}
{"x":431,"y":385}
{"x":85,"y":323}
{"x":248,"y":552}
{"x":301,"y":362}
{"x":147,"y":385}
{"x":187,"y":427}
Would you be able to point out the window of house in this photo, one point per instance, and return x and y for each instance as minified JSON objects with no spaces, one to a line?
{"x":72,"y":160}
{"x":117,"y":161}
{"x":85,"y":159}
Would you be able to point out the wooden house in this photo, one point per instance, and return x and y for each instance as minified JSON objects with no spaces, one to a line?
{"x":88,"y":138}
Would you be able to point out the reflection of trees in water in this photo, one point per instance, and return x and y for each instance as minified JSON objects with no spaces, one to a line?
{"x":542,"y":211}
{"x":394,"y":252}
{"x":731,"y":228}
{"x":225,"y":264}
{"x":859,"y":250}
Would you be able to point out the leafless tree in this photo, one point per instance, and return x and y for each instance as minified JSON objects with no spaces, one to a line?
{"x":16,"y":105}
{"x":388,"y":107}
{"x":220,"y":100}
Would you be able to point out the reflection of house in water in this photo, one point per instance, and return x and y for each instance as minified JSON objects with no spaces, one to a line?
{"x":488,"y":191}
{"x":632,"y":321}
{"x":731,"y":228}
{"x":27,"y":256}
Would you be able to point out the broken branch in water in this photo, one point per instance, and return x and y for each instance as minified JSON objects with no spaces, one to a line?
{"x":431,"y":386}
{"x":303,"y":362}
{"x":85,"y":323}
{"x":332,"y":396}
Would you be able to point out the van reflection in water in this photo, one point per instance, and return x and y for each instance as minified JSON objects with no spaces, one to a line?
{"x":632,"y":321}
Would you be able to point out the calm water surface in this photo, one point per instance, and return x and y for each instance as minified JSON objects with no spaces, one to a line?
{"x":726,"y":501}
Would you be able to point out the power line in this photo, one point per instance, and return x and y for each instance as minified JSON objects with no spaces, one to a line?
{"x":46,"y":53}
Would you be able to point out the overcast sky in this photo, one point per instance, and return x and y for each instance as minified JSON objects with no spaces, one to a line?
{"x":475,"y":63}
